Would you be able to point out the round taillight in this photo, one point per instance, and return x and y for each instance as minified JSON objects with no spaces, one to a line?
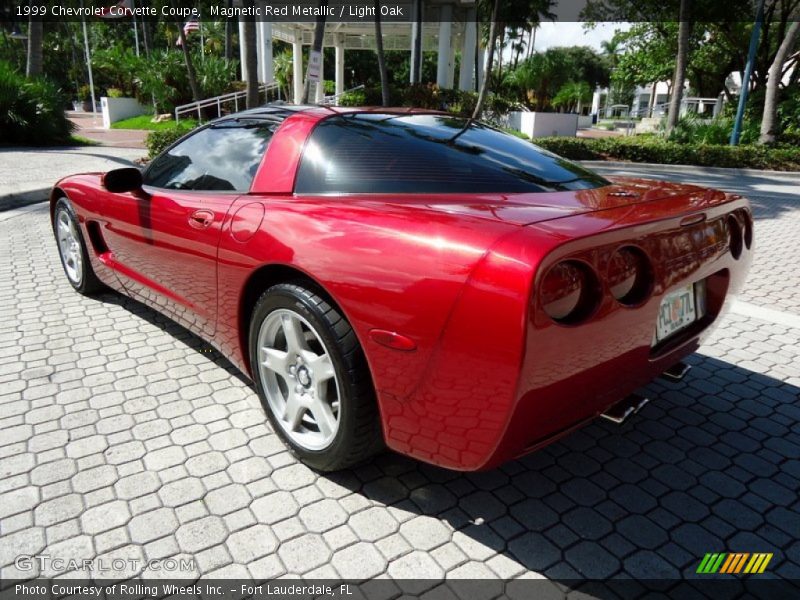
{"x":569,"y":292}
{"x":735,"y":240}
{"x":629,"y":277}
{"x":748,"y":229}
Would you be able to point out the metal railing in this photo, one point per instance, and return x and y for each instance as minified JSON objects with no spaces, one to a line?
{"x":334,"y":99}
{"x":219,"y":101}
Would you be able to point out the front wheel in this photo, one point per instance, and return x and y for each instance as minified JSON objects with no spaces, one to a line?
{"x":312,"y":378}
{"x":72,"y":250}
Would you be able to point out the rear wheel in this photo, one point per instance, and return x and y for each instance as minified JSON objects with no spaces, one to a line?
{"x":72,"y":250}
{"x":312,"y":378}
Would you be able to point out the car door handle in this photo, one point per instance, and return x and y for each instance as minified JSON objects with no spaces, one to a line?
{"x":200,"y":219}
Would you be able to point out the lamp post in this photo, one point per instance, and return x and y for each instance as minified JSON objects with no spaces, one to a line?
{"x":748,"y":71}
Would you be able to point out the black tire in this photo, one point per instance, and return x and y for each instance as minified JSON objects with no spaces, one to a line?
{"x":86,"y":282}
{"x":359,"y":434}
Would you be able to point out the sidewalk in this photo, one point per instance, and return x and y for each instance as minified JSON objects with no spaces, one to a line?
{"x":27,"y":174}
{"x":90,"y":126}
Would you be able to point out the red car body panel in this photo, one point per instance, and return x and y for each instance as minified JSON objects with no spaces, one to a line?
{"x":490,"y":376}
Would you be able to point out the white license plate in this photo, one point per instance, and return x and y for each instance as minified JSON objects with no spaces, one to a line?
{"x":677,"y":311}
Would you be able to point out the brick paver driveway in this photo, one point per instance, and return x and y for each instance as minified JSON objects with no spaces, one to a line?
{"x":123,"y":436}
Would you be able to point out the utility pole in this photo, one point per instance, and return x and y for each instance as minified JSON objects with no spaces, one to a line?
{"x":748,"y":71}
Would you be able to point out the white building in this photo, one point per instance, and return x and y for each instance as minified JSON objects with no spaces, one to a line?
{"x":447,"y":27}
{"x":650,"y":101}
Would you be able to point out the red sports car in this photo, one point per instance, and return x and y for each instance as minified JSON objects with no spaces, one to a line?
{"x":408,"y":279}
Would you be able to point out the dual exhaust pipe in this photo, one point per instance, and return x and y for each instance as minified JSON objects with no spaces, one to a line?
{"x":632,"y":404}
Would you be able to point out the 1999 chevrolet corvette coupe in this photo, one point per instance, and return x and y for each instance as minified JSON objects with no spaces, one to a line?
{"x":408,"y":279}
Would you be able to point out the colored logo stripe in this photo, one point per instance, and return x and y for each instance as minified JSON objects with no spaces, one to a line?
{"x":734,"y":563}
{"x":758,"y":563}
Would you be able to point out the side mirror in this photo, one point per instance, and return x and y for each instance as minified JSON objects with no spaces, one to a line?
{"x":119,"y":181}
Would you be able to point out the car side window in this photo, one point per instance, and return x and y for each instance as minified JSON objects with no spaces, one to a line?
{"x":222,"y":157}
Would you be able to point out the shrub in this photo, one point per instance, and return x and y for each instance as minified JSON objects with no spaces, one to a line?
{"x":159,"y":140}
{"x":354,"y":98}
{"x":115,"y":93}
{"x":31,"y":110}
{"x":692,"y":129}
{"x":654,"y":150}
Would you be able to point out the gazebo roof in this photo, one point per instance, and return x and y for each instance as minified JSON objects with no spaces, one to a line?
{"x":396,"y":34}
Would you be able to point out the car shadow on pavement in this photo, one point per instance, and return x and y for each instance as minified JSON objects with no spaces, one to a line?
{"x":712,"y":464}
{"x":174,"y":329}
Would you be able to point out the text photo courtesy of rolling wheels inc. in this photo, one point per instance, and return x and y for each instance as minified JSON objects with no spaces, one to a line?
{"x":464,"y":301}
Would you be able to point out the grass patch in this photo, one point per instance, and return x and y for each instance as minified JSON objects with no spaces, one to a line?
{"x":145,"y":122}
{"x":77,"y":140}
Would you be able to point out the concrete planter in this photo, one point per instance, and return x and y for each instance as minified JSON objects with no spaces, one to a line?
{"x":117,"y":109}
{"x":542,"y":124}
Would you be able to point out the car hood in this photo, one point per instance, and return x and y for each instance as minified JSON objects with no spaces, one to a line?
{"x":526,"y":209}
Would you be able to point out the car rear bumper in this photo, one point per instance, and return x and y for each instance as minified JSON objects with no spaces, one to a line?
{"x":489,"y":396}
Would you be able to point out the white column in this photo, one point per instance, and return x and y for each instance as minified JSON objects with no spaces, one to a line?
{"x":320,"y":93}
{"x":297,"y":66}
{"x":259,"y":52}
{"x":269,"y":65}
{"x":241,"y":51}
{"x":443,"y":55}
{"x":466,"y":74}
{"x":339,"y":63}
{"x":267,"y":68}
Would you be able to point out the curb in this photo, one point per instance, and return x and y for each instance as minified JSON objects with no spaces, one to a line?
{"x":19,"y":199}
{"x":792,"y":175}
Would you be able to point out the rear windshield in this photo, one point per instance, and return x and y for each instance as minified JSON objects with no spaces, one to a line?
{"x":385,"y":154}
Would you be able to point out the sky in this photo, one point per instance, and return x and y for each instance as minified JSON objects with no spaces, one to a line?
{"x":573,"y":34}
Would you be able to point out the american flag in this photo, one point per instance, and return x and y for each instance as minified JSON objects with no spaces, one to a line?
{"x":192,"y":24}
{"x":122,"y":6}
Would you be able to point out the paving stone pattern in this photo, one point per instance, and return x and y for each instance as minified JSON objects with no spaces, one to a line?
{"x":122,"y":436}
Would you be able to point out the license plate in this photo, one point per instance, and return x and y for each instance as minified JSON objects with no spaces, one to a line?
{"x":677,"y":310}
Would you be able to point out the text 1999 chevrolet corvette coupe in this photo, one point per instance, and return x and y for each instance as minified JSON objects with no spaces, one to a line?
{"x":404,"y":278}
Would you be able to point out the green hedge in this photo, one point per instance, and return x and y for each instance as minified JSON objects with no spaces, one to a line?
{"x":655,"y":150}
{"x":31,"y":111}
{"x":158,"y":141}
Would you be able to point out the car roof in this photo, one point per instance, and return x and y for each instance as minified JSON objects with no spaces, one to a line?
{"x":283,"y":110}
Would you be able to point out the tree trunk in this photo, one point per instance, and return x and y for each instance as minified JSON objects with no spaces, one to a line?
{"x":319,"y":37}
{"x":228,"y":33}
{"x":651,"y":104}
{"x":187,"y":58}
{"x":251,"y":62}
{"x":680,"y":68}
{"x":501,"y":42}
{"x":35,"y":38}
{"x":487,"y":70}
{"x":769,"y":119}
{"x":146,"y":36}
{"x":381,"y":55}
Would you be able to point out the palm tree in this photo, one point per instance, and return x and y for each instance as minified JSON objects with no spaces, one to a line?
{"x":487,"y":70}
{"x":35,"y":39}
{"x":684,"y":28}
{"x":191,"y":74}
{"x":250,"y":62}
{"x":381,"y":55}
{"x":769,"y":118}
